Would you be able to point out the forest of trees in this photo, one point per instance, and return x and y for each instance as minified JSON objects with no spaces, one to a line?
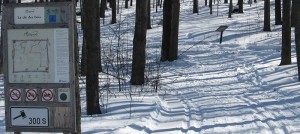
{"x":92,"y":10}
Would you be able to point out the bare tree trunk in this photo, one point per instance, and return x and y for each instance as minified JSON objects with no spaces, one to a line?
{"x":292,"y":14}
{"x":114,"y":11}
{"x":205,"y":2}
{"x":1,"y":45}
{"x":83,"y":47}
{"x":83,"y":58}
{"x":195,"y":6}
{"x":267,"y":25}
{"x":118,"y":7}
{"x":1,"y":5}
{"x":157,"y":3}
{"x":166,"y":37}
{"x":210,"y":6}
{"x":149,"y":15}
{"x":102,"y":8}
{"x":169,"y":49}
{"x":297,"y":33}
{"x":153,"y":3}
{"x":278,"y":20}
{"x":230,"y":9}
{"x":173,"y":52}
{"x":160,"y":3}
{"x":286,"y":33}
{"x":139,"y":43}
{"x":92,"y":38}
{"x":241,"y":8}
{"x":126,"y":4}
{"x":225,"y":1}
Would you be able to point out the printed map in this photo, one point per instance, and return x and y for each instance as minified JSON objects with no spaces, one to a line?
{"x":33,"y":55}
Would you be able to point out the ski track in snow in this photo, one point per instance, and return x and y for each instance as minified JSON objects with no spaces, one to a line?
{"x":230,"y":100}
{"x":224,"y":88}
{"x":234,"y":87}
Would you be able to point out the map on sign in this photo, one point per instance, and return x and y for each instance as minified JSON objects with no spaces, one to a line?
{"x":38,"y":55}
{"x":31,"y":54}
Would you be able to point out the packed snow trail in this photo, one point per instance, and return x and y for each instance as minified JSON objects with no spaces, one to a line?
{"x":224,"y":94}
{"x":234,"y":87}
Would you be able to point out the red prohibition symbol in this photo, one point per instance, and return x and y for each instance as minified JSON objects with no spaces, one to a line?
{"x":15,"y":94}
{"x":47,"y":95}
{"x":31,"y":95}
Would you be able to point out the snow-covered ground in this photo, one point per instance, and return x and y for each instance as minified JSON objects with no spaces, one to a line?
{"x":233,"y":87}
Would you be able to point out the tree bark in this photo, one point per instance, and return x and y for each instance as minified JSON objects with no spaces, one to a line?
{"x":139,"y":43}
{"x":297,"y":33}
{"x":92,"y":38}
{"x":286,"y":33}
{"x":173,"y":52}
{"x":241,"y":8}
{"x":292,"y":13}
{"x":225,"y":1}
{"x":161,"y":3}
{"x":118,"y":7}
{"x":167,"y":16}
{"x":195,"y":6}
{"x":114,"y":11}
{"x":210,"y":6}
{"x":83,"y":47}
{"x":267,"y":25}
{"x":102,"y":8}
{"x":170,"y":30}
{"x":230,"y":9}
{"x":126,"y":4}
{"x":278,"y":20}
{"x":149,"y":15}
{"x":83,"y":58}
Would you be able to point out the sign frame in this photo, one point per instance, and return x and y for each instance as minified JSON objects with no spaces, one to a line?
{"x":57,"y":110}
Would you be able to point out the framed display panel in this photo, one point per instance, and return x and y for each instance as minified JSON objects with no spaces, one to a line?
{"x":39,"y":67}
{"x":38,"y":55}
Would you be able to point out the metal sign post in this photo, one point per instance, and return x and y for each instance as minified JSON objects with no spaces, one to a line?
{"x":39,"y":67}
{"x":221,"y":29}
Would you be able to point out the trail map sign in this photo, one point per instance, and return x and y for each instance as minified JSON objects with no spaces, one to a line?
{"x":39,"y":67}
{"x":38,"y":55}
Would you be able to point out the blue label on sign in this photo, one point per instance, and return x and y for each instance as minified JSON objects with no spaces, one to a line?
{"x":52,"y":18}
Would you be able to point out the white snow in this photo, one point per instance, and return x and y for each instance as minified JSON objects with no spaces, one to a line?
{"x":233,"y":87}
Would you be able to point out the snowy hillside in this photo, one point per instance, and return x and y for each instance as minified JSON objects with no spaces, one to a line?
{"x":213,"y":88}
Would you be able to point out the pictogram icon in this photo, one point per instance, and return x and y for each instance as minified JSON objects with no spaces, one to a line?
{"x":47,"y":95}
{"x":63,"y":95}
{"x":31,"y":95}
{"x":15,"y":94}
{"x":22,"y":114}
